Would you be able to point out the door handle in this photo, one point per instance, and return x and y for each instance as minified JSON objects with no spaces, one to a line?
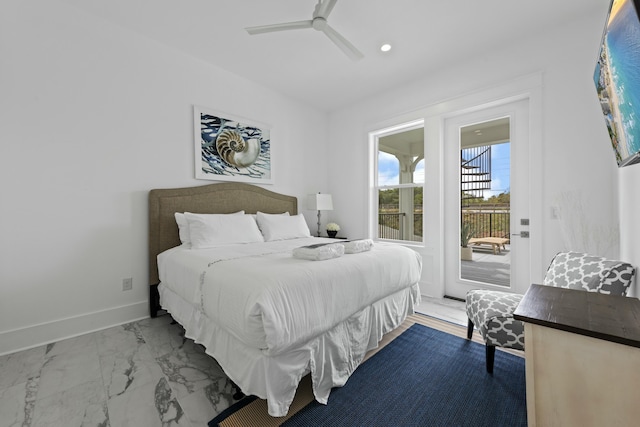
{"x":524,"y":234}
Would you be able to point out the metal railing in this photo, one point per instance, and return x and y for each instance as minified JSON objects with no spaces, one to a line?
{"x":391,"y":226}
{"x":475,"y":171}
{"x":484,"y":224}
{"x":488,"y":224}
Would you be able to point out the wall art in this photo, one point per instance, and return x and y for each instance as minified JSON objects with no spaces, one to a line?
{"x":231,"y":148}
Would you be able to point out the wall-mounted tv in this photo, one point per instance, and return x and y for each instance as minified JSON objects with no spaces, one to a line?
{"x":617,"y":79}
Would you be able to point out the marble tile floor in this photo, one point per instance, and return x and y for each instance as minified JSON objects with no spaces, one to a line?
{"x":139,"y":374}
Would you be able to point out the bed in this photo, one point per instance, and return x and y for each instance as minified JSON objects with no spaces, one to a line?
{"x":266,"y":316}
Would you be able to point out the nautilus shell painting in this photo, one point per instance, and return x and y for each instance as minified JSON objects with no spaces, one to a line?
{"x":232,"y":149}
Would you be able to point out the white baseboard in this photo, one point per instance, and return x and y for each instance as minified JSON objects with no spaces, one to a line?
{"x":49,"y":332}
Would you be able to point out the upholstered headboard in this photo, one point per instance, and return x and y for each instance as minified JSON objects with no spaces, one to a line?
{"x":213,"y":198}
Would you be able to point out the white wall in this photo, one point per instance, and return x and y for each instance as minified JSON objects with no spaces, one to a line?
{"x":629,"y":224}
{"x":577,"y":160}
{"x":93,"y":117}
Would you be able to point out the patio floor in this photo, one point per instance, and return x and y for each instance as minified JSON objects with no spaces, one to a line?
{"x":487,"y":267}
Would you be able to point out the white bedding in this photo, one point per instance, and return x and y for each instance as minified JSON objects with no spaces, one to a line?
{"x":321,"y":316}
{"x":272,"y":301}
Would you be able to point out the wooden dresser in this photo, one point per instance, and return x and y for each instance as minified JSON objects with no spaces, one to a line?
{"x":582,"y":353}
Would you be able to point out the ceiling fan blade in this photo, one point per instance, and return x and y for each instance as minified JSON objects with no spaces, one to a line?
{"x":297,"y":25}
{"x":350,"y":50}
{"x":324,"y":8}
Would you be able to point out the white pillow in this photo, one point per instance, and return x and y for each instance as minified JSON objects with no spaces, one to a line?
{"x":255,"y":216}
{"x":282,"y":227}
{"x":207,"y":231}
{"x":183,"y":226}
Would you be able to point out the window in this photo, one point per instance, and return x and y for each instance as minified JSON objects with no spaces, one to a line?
{"x":398,"y":182}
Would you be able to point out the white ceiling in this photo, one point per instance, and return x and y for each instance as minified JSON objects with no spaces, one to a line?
{"x":305,"y":65}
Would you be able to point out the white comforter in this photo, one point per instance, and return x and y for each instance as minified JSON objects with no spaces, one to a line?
{"x":271,"y":301}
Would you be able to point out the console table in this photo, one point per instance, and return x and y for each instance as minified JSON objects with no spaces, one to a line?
{"x":582,"y":352}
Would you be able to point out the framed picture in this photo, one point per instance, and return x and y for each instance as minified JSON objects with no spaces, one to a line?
{"x":231,"y":148}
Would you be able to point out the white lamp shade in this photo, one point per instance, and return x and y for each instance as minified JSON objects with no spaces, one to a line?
{"x":320,"y":202}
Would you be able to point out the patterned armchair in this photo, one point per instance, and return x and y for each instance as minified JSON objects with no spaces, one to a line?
{"x":492,"y":311}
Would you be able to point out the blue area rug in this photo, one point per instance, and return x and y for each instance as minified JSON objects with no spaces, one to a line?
{"x":426,"y":377}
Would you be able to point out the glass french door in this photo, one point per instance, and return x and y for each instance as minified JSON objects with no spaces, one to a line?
{"x":486,"y":178}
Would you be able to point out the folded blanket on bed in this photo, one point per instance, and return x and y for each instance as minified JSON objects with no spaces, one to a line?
{"x":357,"y":246}
{"x":319,"y":252}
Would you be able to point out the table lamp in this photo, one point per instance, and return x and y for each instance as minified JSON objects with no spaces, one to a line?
{"x":320,"y":202}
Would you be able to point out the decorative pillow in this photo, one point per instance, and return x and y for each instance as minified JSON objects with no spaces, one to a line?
{"x":282,"y":227}
{"x":210,"y":230}
{"x":183,"y":226}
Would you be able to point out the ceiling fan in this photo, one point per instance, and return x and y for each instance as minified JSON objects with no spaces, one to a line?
{"x":318,"y":23}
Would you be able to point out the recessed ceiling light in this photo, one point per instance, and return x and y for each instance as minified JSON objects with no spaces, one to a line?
{"x":385,"y":47}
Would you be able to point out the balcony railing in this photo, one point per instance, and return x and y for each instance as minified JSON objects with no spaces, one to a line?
{"x":496,"y":223}
{"x":391,"y":226}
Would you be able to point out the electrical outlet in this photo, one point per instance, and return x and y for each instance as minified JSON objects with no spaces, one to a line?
{"x":127,"y":284}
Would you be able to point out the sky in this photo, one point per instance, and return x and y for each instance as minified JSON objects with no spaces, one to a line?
{"x":388,"y":173}
{"x":500,"y":169}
